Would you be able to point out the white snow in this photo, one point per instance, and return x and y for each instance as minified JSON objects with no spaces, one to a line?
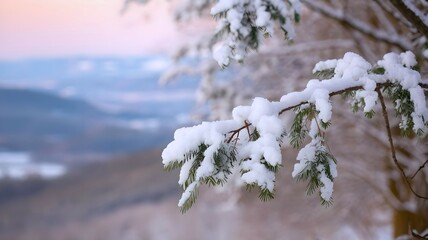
{"x":263,"y":17}
{"x":258,"y":174}
{"x":19,"y":166}
{"x":333,"y":168}
{"x":308,"y":155}
{"x":221,"y":54}
{"x":408,"y":79}
{"x":234,"y":18}
{"x":223,"y":5}
{"x":238,"y":25}
{"x":352,"y":71}
{"x":408,"y":59}
{"x":185,"y":170}
{"x":305,"y":156}
{"x":321,"y":99}
{"x":269,"y":125}
{"x":352,"y":66}
{"x":187,"y":193}
{"x":327,"y":188}
{"x":260,"y":107}
{"x":325,"y":65}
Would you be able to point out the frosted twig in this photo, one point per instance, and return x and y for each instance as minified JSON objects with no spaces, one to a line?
{"x":380,"y":15}
{"x":359,"y":25}
{"x":413,"y":14}
{"x":389,"y":9}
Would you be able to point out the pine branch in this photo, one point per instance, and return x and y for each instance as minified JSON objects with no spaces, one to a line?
{"x":339,"y":92}
{"x":346,"y":90}
{"x":391,"y":143}
{"x":320,"y":173}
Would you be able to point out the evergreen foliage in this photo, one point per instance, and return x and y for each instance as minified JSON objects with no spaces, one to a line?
{"x":257,"y":154}
{"x":317,"y":166}
{"x":299,"y":131}
{"x":312,"y":172}
{"x":325,"y":73}
{"x":404,"y":107}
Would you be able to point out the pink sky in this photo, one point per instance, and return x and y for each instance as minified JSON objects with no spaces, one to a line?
{"x":49,"y":28}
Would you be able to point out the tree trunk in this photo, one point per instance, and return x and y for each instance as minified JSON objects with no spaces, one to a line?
{"x":404,"y":220}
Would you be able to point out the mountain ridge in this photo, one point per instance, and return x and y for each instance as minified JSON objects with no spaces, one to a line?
{"x":45,"y":124}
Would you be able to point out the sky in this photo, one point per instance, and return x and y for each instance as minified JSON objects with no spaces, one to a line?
{"x":57,"y":28}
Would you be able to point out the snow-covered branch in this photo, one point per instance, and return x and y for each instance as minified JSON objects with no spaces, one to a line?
{"x":242,"y":25}
{"x":413,"y":14}
{"x":207,"y":153}
{"x":390,"y":9}
{"x":359,"y":25}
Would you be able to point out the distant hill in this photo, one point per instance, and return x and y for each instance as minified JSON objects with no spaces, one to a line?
{"x":126,"y":84}
{"x":36,"y":101}
{"x":55,"y":127}
{"x":85,"y":107}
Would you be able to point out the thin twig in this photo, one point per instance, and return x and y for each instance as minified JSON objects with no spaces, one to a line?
{"x":248,"y":128}
{"x":420,"y":168}
{"x":391,"y":143}
{"x":234,"y":132}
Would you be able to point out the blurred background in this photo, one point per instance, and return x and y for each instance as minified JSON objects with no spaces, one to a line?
{"x":91,"y":91}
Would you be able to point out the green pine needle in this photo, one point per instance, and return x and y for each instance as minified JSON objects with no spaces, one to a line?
{"x":325,"y":203}
{"x":370,"y":114}
{"x":312,"y":176}
{"x":325,"y":125}
{"x":325,"y":74}
{"x":298,"y":131}
{"x":377,"y":70}
{"x":173,"y":165}
{"x":266,"y":195}
{"x":190,"y":201}
{"x":296,"y":17}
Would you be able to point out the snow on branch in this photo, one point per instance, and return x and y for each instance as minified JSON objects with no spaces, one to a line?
{"x":390,"y":9}
{"x":242,"y":24}
{"x":251,"y":141}
{"x":359,"y":25}
{"x":413,"y":14}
